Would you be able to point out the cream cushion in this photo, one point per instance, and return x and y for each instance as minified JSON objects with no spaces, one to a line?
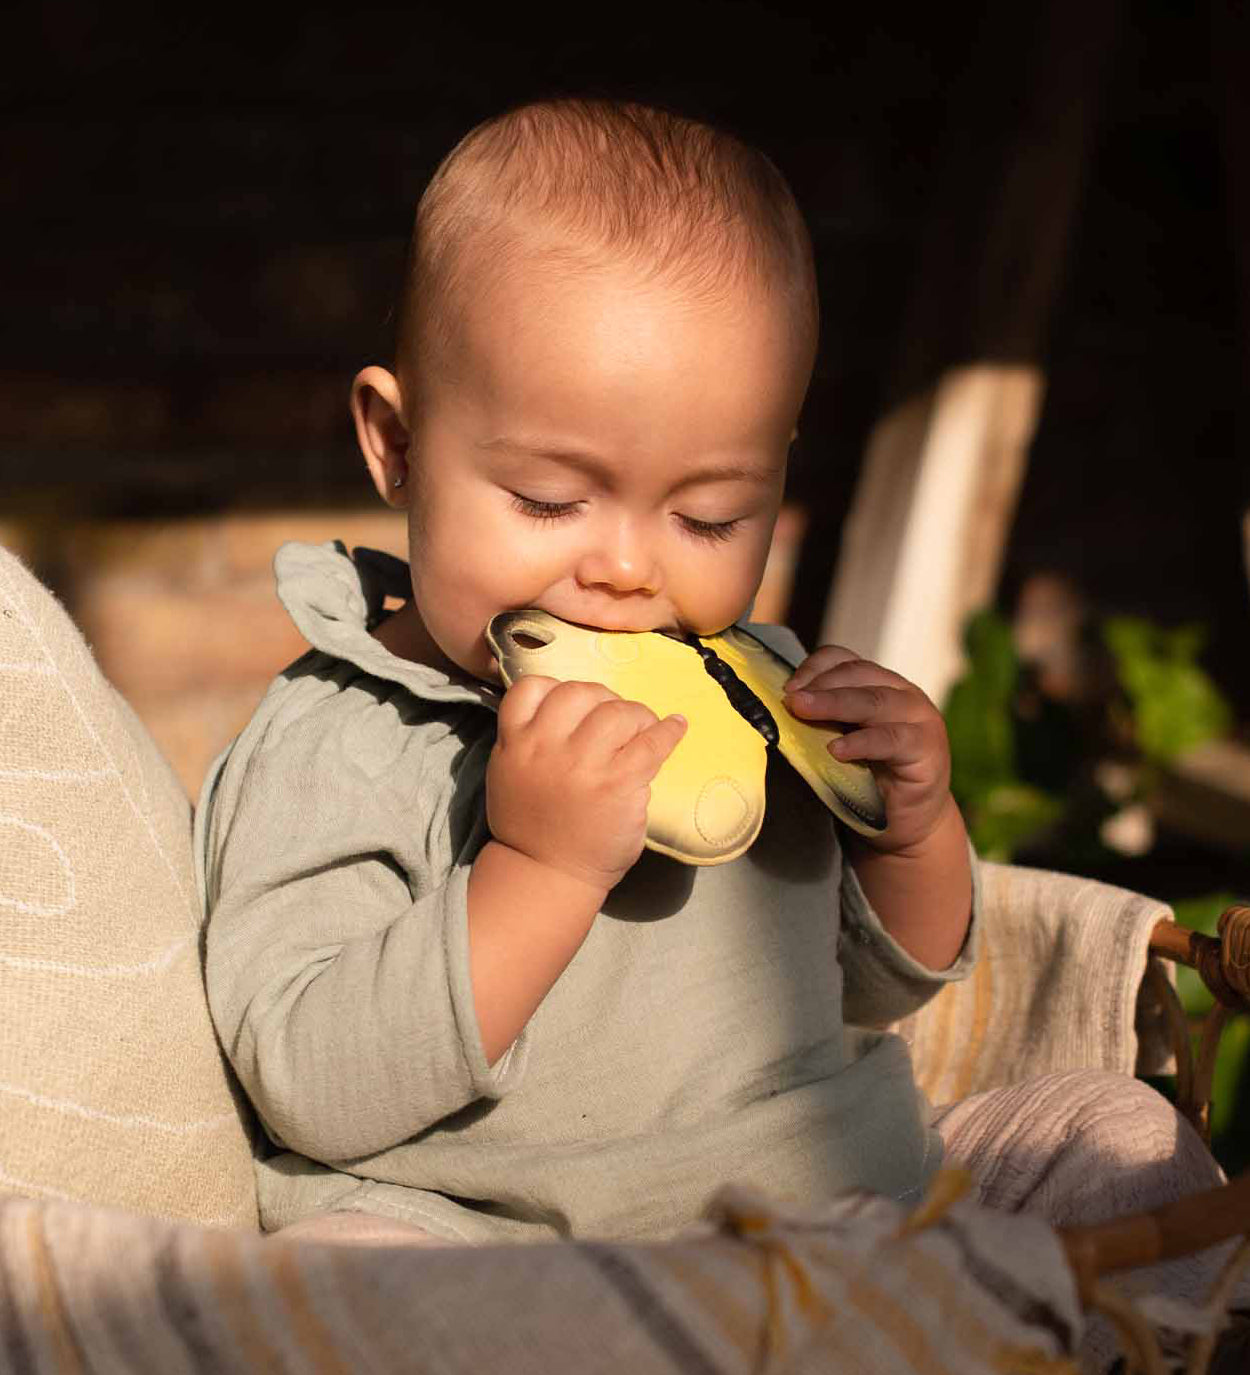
{"x":112,"y":1088}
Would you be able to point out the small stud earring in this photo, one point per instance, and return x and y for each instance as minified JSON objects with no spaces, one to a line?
{"x":399,"y":480}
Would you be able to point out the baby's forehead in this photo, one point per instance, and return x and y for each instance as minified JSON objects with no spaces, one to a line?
{"x":553,"y":266}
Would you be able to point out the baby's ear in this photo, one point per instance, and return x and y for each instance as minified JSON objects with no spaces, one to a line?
{"x":377,"y":409}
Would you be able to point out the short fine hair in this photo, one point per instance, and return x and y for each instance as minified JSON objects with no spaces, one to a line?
{"x":584,"y":182}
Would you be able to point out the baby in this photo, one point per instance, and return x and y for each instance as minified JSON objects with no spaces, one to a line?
{"x":458,"y":991}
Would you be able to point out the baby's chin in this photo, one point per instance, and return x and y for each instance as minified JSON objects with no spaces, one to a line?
{"x":476,"y":662}
{"x":491,"y":674}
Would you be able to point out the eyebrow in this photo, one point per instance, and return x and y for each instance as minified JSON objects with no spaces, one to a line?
{"x":593,"y":466}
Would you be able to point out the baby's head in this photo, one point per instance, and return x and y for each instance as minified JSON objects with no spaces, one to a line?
{"x":606,"y":337}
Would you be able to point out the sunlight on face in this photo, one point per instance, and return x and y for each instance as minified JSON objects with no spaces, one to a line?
{"x":604,"y":449}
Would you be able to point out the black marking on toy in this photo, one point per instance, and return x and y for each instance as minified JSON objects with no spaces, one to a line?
{"x":741,"y":698}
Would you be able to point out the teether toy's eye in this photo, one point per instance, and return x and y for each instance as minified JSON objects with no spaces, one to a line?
{"x":529,"y":637}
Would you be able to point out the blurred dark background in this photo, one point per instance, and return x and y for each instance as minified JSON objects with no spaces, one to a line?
{"x":205,"y":216}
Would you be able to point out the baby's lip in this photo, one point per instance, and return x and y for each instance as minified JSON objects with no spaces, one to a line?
{"x":621,"y":628}
{"x":630,"y":629}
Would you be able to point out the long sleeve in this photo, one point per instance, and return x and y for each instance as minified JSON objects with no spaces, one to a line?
{"x":882,"y":982}
{"x":337,"y":854}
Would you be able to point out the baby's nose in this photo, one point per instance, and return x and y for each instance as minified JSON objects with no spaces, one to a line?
{"x":623,"y":567}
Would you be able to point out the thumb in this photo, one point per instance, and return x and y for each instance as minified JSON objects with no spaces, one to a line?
{"x":521,"y":701}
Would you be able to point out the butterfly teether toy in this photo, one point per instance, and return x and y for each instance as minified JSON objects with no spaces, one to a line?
{"x":707,"y":801}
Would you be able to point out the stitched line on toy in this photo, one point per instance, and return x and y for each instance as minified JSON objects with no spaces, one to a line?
{"x":39,"y":909}
{"x":853,"y":807}
{"x":730,"y":837}
{"x":741,"y":698}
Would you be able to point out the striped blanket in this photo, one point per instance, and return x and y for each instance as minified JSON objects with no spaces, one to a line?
{"x":861,"y":1288}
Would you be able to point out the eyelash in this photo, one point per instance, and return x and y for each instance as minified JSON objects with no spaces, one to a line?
{"x":543,"y":510}
{"x":713,"y":530}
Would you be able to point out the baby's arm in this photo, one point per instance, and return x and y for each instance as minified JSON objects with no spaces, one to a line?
{"x":923,"y":894}
{"x":567,"y":789}
{"x":917,"y":875}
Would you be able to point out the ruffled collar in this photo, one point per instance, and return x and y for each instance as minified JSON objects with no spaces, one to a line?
{"x":336,"y":599}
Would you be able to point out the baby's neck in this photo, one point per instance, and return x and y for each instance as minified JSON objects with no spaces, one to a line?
{"x":403,"y":632}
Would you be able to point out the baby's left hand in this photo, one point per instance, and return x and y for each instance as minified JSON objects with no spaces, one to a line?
{"x":892,"y":725}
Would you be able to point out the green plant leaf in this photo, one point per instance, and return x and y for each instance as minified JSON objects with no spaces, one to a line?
{"x":1230,"y":1066}
{"x":992,"y":653}
{"x":1175,"y":704}
{"x":1129,"y":638}
{"x":978,"y":711}
{"x":982,"y":743}
{"x":1008,"y":815}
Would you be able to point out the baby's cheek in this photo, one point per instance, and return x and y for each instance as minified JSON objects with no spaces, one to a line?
{"x":740,"y":587}
{"x":457,"y":631}
{"x":725,"y":601}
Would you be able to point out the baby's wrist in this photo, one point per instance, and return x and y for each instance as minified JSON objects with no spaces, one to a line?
{"x":568,"y":882}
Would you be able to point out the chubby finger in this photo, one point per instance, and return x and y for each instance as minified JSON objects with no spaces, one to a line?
{"x":859,"y":673}
{"x":818,"y":661}
{"x":612,"y":724}
{"x":554,"y":705}
{"x":900,"y":743}
{"x":856,"y":705}
{"x":640,"y":758}
{"x":564,"y":708}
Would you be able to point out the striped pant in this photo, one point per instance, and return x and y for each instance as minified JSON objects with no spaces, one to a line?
{"x":1079,"y":1148}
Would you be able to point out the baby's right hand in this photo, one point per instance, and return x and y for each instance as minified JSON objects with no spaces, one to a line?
{"x":569,"y":777}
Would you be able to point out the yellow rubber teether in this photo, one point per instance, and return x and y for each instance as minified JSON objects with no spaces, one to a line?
{"x":707,"y":801}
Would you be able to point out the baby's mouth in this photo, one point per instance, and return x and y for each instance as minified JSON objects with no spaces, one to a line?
{"x":671,"y":628}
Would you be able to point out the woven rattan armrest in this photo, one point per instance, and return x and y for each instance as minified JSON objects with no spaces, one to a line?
{"x":1223,"y":963}
{"x":1201,"y":1220}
